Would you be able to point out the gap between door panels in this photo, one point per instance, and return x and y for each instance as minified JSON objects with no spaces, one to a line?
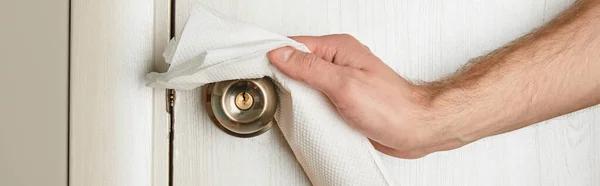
{"x":171,"y":97}
{"x":164,"y":100}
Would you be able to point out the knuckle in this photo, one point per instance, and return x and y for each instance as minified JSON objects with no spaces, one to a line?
{"x":346,"y":37}
{"x":368,"y":49}
{"x":308,"y":62}
{"x":352,"y":42}
{"x":340,"y":37}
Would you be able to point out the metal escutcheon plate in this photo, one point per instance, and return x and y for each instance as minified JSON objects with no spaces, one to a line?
{"x":242,"y":108}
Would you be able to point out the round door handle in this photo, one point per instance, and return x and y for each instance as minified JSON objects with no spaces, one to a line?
{"x":242,"y":108}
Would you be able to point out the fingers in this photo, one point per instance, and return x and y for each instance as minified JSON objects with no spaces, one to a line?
{"x":340,"y":49}
{"x":307,"y":68}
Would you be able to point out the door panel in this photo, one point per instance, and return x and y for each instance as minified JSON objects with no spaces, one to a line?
{"x":204,"y":155}
{"x":421,"y":40}
{"x":119,"y":127}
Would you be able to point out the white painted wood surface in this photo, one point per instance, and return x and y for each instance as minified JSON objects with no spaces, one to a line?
{"x":161,"y":118}
{"x":119,"y":127}
{"x":204,"y":155}
{"x":421,"y":40}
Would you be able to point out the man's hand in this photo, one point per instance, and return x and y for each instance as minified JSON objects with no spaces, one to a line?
{"x":369,"y":95}
{"x":545,"y":74}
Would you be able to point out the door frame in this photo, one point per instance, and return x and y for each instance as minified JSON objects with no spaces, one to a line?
{"x":119,"y":128}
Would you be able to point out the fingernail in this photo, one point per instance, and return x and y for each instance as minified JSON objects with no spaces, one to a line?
{"x":283,"y":54}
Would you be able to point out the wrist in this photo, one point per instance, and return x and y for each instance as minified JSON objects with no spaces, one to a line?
{"x":452,"y":114}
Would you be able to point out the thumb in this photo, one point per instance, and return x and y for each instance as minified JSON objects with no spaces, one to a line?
{"x":308,"y":68}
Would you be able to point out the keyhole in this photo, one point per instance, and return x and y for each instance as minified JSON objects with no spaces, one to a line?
{"x":244,"y":100}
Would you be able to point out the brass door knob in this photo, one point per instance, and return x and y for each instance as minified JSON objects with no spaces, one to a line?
{"x":242,"y":108}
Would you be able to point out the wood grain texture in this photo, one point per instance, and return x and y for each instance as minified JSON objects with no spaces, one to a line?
{"x":204,"y":155}
{"x":161,"y":117}
{"x":421,"y":40}
{"x":114,"y":116}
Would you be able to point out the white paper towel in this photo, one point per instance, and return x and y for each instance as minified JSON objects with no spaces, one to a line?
{"x":213,"y":48}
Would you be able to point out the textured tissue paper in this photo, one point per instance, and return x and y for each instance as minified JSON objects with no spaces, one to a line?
{"x":213,"y":48}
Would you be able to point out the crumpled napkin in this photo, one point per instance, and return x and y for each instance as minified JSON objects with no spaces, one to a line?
{"x":213,"y":48}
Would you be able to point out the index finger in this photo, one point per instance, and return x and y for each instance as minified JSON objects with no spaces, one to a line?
{"x":340,"y":49}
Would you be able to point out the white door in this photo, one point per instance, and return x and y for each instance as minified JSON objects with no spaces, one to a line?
{"x":123,"y":137}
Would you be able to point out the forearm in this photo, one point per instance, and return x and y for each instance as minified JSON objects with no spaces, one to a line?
{"x":551,"y":72}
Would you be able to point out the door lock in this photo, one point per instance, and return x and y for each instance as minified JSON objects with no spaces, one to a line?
{"x":242,"y":108}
